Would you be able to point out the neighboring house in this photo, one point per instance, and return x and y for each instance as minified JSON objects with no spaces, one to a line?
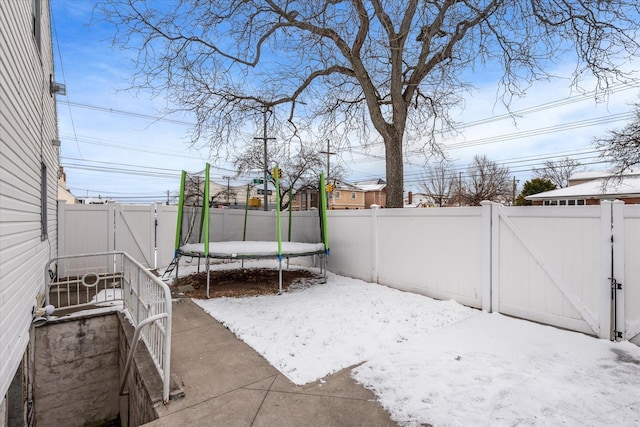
{"x":305,"y":198}
{"x":346,"y":196}
{"x":29,"y":161}
{"x":375,"y":192}
{"x":588,"y":188}
{"x":64,"y":195}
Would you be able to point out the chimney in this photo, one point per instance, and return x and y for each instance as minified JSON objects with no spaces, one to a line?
{"x":410,"y":198}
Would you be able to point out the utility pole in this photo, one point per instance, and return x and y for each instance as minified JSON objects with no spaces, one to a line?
{"x":329,"y":153}
{"x":266,"y":166}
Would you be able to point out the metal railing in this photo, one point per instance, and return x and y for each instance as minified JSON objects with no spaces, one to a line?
{"x":106,"y":279}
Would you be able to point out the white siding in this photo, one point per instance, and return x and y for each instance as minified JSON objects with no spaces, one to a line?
{"x":27,"y":126}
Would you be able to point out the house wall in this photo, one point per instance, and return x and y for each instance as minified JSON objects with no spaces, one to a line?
{"x":341,"y":199}
{"x":304,"y":200}
{"x":27,"y":127}
{"x":375,"y":198}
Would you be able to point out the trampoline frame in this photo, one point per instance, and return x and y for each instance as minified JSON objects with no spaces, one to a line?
{"x":206,"y":253}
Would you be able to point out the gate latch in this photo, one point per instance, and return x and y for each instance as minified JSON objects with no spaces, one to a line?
{"x":615,"y":285}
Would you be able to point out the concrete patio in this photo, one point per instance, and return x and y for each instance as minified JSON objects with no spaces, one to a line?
{"x":227,"y":383}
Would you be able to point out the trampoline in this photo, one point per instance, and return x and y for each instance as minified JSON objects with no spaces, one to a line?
{"x":193,"y":231}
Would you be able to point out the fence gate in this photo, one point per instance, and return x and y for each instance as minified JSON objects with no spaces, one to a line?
{"x":545,"y":264}
{"x":135,"y":229}
{"x":84,"y":229}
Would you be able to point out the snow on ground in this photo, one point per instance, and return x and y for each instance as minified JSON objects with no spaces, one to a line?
{"x":438,"y":362}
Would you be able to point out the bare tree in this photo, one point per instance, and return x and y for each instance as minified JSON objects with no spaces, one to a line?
{"x":439,"y":183}
{"x":351,"y":66}
{"x":558,"y":172}
{"x":486,"y":180}
{"x":622,"y":147}
{"x":301,"y":168}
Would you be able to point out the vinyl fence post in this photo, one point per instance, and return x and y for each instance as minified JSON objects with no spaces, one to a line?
{"x":606,"y":266}
{"x":374,"y":243}
{"x":486,"y":255}
{"x":62,"y":225}
{"x":153,"y":222}
{"x":617,"y":221}
{"x":495,"y":257}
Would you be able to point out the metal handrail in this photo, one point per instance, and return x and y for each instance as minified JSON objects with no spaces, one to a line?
{"x":132,"y":350}
{"x":144,"y":297}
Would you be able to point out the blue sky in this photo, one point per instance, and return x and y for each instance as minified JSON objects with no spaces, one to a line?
{"x":116,"y":143}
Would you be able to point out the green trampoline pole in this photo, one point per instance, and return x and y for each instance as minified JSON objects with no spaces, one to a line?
{"x":180,"y":204}
{"x":276,"y":176}
{"x":246,"y":211}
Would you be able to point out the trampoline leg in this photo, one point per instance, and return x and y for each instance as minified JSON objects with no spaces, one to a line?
{"x":280,"y":277}
{"x":324,"y":268}
{"x":208,"y":269}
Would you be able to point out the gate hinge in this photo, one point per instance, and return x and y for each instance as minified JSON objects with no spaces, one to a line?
{"x":615,"y":284}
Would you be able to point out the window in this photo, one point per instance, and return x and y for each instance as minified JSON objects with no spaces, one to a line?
{"x":43,"y":201}
{"x":337,"y":194}
{"x":353,"y":195}
{"x":569,"y":202}
{"x":37,"y":30}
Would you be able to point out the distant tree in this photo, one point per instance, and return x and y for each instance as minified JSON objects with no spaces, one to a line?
{"x":622,"y":147}
{"x":439,"y":182}
{"x":534,"y":186}
{"x":486,"y":180}
{"x":226,"y":195}
{"x":558,"y":172}
{"x":393,"y":67}
{"x":299,"y":169}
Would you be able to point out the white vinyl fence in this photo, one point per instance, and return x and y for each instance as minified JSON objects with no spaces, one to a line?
{"x":571,"y":267}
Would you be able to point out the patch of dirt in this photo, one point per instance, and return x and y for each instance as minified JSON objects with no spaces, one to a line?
{"x":243,"y":282}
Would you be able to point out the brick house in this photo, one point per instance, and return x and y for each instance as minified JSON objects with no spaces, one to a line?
{"x":589,"y":188}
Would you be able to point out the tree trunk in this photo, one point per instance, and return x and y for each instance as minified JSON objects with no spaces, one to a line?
{"x":395,"y":171}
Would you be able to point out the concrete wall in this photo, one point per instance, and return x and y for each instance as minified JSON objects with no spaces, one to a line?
{"x":79,"y":366}
{"x":76,"y":371}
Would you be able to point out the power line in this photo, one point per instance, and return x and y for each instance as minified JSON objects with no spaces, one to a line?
{"x":128,"y":113}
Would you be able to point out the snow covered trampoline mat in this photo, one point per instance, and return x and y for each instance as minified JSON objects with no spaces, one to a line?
{"x":247,"y":249}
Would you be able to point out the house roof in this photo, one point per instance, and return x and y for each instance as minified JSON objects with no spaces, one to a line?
{"x":372,"y":184}
{"x":345,"y":186}
{"x":600,"y":188}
